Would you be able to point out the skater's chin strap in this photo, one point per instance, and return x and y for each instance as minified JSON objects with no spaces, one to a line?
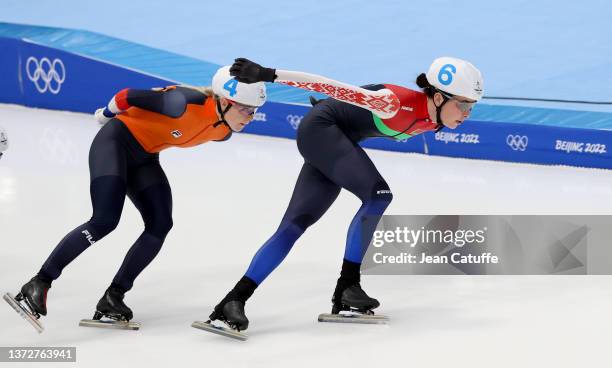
{"x":446,"y":97}
{"x":439,"y":123}
{"x":222,"y":112}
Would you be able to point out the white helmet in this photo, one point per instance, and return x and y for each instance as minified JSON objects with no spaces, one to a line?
{"x":457,"y":77}
{"x":224,"y":85}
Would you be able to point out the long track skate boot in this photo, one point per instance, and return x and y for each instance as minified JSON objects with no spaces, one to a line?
{"x":353,"y":299}
{"x":230,"y":311}
{"x":349,"y":302}
{"x":231,"y":314}
{"x":352,"y":305}
{"x":111,"y":312}
{"x":34,"y":297}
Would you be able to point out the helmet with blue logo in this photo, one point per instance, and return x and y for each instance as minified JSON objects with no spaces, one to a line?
{"x":224,"y":85}
{"x":456,"y":77}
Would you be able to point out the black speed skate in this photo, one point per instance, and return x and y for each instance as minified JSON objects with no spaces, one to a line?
{"x":352,"y":304}
{"x":111,"y":305}
{"x":114,"y":311}
{"x":353,"y":299}
{"x":34,"y":297}
{"x":231,"y":313}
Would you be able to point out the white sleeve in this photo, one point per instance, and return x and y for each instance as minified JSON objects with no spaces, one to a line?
{"x":383,"y":103}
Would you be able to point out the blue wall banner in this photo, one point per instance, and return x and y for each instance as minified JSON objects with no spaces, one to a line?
{"x":542,"y":144}
{"x":39,"y":76}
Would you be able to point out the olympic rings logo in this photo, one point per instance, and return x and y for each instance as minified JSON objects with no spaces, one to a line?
{"x":294,"y":120}
{"x":46,"y":75}
{"x":517,"y":142}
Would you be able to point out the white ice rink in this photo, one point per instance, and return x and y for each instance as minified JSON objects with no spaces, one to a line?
{"x":228,"y":199}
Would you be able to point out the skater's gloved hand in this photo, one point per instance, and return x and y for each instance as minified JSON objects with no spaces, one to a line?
{"x":103,"y":115}
{"x":246,"y":71}
{"x":3,"y":141}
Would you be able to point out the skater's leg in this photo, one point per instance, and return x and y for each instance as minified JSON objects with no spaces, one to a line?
{"x":148,"y":189}
{"x":324,"y":147}
{"x":150,"y":192}
{"x":107,"y":197}
{"x":355,"y":172}
{"x":345,"y":163}
{"x":108,"y":167}
{"x":312,"y":196}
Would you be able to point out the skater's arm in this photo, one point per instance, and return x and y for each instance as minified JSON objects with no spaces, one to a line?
{"x":383,"y":103}
{"x":166,"y":101}
{"x":170,"y":101}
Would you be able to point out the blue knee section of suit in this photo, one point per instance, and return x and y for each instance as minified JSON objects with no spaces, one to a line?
{"x":272,"y":253}
{"x":362,"y":227}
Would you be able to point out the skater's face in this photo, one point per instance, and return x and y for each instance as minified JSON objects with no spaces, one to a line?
{"x":238,"y":116}
{"x":455,"y":111}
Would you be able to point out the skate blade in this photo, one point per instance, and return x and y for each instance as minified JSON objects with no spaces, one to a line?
{"x":117,"y":325}
{"x":353,"y":318}
{"x":219,"y":330}
{"x":23,"y":312}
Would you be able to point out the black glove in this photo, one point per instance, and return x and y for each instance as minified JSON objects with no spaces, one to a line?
{"x":246,"y":71}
